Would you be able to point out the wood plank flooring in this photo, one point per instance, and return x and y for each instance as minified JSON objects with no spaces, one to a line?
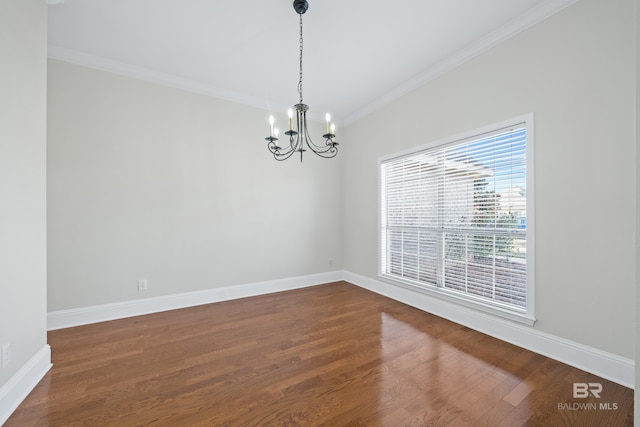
{"x":333,"y":355}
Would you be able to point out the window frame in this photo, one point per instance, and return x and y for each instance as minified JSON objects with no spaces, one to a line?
{"x":526,"y":316}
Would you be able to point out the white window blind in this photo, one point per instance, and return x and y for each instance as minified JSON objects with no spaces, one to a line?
{"x":454,"y":217}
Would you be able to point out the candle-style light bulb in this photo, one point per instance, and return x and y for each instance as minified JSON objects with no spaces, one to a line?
{"x":333,"y":129}
{"x":276,"y":132}
{"x":290,"y":114}
{"x":328,"y":117}
{"x":271,"y":121}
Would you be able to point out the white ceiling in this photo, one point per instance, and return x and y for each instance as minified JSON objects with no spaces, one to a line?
{"x":358,"y":55}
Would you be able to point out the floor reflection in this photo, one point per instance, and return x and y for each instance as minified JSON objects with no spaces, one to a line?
{"x":444,"y":374}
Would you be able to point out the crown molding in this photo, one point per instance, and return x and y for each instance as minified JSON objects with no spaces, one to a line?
{"x":127,"y":70}
{"x":516,"y":26}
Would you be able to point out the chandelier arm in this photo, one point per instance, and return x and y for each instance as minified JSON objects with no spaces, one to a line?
{"x":277,"y":151}
{"x":328,"y":153}
{"x":280,"y":155}
{"x":330,"y":150}
{"x":330,"y":146}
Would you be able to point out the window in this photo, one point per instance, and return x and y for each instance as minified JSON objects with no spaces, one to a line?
{"x":456,"y":219}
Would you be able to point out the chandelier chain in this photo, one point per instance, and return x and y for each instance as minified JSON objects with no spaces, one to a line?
{"x":301,"y":47}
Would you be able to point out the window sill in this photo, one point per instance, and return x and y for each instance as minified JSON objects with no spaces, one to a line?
{"x":464,"y":301}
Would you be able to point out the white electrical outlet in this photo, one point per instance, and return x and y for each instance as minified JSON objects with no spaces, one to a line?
{"x":142,"y":285}
{"x":6,"y":354}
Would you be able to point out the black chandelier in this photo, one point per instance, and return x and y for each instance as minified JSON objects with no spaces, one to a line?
{"x":300,"y":137}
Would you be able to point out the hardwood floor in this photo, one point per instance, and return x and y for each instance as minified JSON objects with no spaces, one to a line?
{"x":333,"y":355}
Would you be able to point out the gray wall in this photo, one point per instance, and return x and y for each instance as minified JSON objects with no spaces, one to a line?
{"x":23,"y":322}
{"x":150,"y":182}
{"x":575,"y":71}
{"x":637,"y":367}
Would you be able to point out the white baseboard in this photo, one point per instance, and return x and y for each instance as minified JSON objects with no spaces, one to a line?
{"x":100,"y":313}
{"x":598,"y":362}
{"x":14,"y":391}
{"x":606,"y":365}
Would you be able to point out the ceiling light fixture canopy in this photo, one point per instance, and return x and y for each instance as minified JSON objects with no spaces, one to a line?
{"x":300,"y":138}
